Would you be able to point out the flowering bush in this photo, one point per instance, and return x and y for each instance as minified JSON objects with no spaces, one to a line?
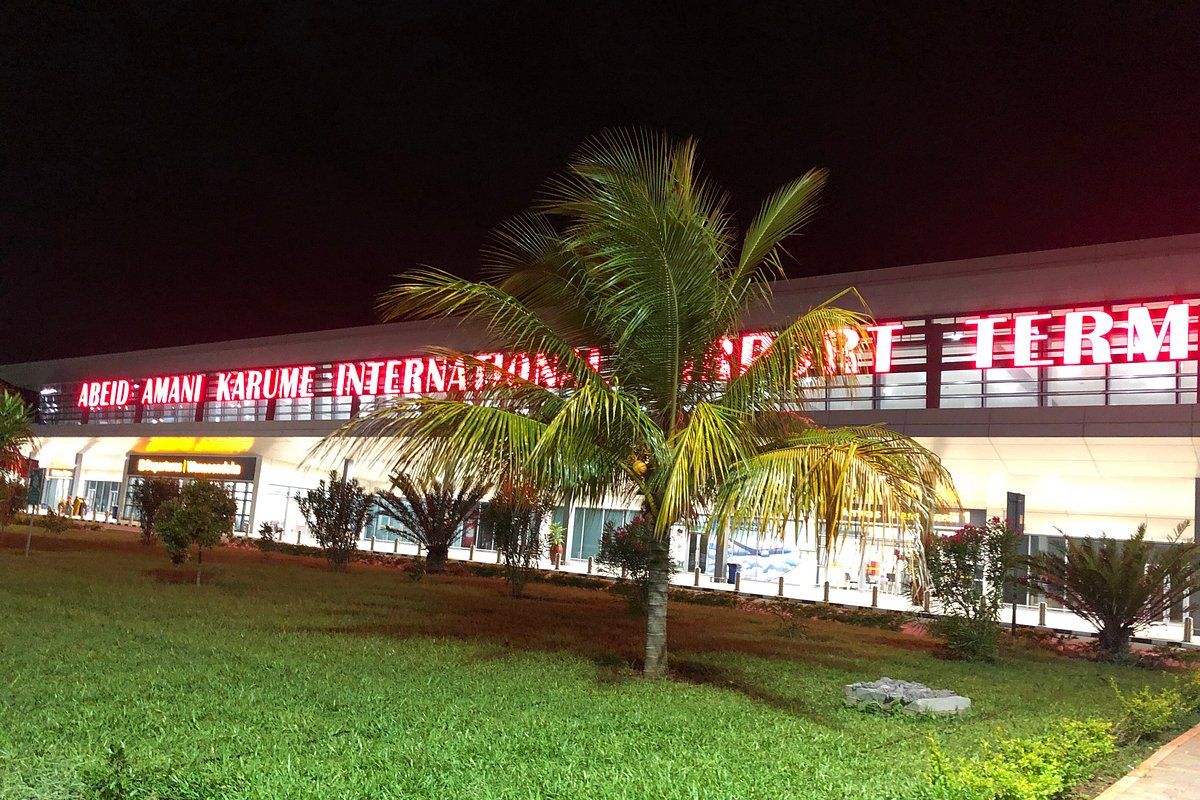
{"x":633,"y":551}
{"x":968,"y":571}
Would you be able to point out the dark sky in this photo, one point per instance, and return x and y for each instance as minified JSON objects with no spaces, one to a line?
{"x":183,"y":172}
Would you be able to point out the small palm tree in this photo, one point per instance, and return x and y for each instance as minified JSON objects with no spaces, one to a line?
{"x":15,"y":434}
{"x":1120,"y":586}
{"x":430,"y":511}
{"x":632,"y":252}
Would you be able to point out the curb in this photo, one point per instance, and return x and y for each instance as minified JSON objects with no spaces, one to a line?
{"x":1118,"y":789}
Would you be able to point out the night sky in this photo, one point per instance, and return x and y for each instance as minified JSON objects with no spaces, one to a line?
{"x":172,"y":173}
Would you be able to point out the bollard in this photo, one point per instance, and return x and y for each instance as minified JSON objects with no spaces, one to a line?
{"x":1042,"y":614}
{"x":1013,"y":627}
{"x":622,"y":573}
{"x":558,"y":560}
{"x":737,"y":582}
{"x":589,"y":572}
{"x":927,"y":606}
{"x":499,"y":553}
{"x":1187,"y":630}
{"x":372,"y":544}
{"x":696,"y":571}
{"x":396,"y":545}
{"x":875,"y":596}
{"x":826,"y":594}
{"x":471,"y":557}
{"x":418,"y":549}
{"x":297,"y":536}
{"x":781,"y":586}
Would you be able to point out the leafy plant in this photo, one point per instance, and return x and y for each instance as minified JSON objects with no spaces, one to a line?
{"x":618,"y":290}
{"x":269,"y":537}
{"x":968,"y":571}
{"x":1145,"y":713}
{"x":636,"y":552}
{"x":336,"y":512}
{"x":201,"y":516}
{"x":515,"y":515}
{"x":57,"y":523}
{"x":13,"y":494}
{"x":16,"y":436}
{"x":148,"y":496}
{"x":430,"y":511}
{"x":1120,"y":586}
{"x":1023,"y":769}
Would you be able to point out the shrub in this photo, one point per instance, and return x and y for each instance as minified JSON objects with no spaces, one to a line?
{"x":1145,"y":714}
{"x":56,"y":523}
{"x":202,"y":515}
{"x":269,"y":537}
{"x":1024,"y":768}
{"x":515,"y":516}
{"x":147,"y":497}
{"x":967,"y":638}
{"x":1188,"y":686}
{"x":968,"y":571}
{"x":1118,"y":586}
{"x":336,"y":512}
{"x":13,"y":494}
{"x":633,"y":551}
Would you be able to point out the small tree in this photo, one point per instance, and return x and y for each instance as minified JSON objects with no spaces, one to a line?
{"x":202,"y":515}
{"x":16,"y":417}
{"x":968,"y":571}
{"x":1118,"y":586}
{"x":516,"y":514}
{"x":147,"y":496}
{"x":336,"y":513}
{"x":430,"y":511}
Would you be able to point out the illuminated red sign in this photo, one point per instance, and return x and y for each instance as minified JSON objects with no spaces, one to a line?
{"x":1037,"y":339}
{"x":1162,"y":332}
{"x":275,"y":383}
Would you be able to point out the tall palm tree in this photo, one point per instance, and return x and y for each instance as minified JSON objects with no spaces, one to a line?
{"x":632,"y":252}
{"x":15,"y":434}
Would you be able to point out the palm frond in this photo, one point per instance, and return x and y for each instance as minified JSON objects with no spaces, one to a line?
{"x":835,"y":474}
{"x":782,"y":215}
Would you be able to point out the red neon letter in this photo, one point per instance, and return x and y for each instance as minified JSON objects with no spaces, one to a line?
{"x":884,"y":338}
{"x":985,"y":341}
{"x":1026,"y":334}
{"x":1074,"y":335}
{"x":1145,"y":341}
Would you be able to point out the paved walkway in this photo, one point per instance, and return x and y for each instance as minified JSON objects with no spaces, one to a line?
{"x":1172,"y":773}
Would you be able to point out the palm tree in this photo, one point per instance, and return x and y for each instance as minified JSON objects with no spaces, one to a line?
{"x":632,"y":252}
{"x":15,"y":435}
{"x":430,"y":511}
{"x":1120,"y":586}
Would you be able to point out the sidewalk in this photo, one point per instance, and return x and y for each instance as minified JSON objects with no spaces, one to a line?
{"x":1172,"y":773}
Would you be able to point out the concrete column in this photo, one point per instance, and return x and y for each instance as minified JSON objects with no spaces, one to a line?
{"x":77,"y":476}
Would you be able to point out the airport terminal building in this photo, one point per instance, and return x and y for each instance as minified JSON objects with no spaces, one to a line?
{"x":1066,"y":380}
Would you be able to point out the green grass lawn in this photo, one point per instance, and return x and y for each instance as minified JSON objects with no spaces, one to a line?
{"x":280,"y":679}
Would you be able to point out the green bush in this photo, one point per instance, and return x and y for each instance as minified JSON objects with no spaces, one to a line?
{"x":1145,"y":714}
{"x":1188,"y":686}
{"x":1024,"y":768}
{"x":967,"y":638}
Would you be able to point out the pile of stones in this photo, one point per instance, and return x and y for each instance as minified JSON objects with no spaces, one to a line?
{"x":911,"y":698}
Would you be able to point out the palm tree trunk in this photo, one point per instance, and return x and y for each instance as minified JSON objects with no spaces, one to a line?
{"x":656,"y":622}
{"x":435,"y":560}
